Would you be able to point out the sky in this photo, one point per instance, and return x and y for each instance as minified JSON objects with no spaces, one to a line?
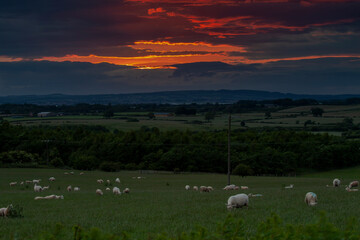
{"x":129,"y":46}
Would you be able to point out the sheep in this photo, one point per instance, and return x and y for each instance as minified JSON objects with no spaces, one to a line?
{"x":100,"y":181}
{"x":22,"y":183}
{"x":290,"y":186}
{"x":354,"y":184}
{"x":28,"y":181}
{"x":82,"y":173}
{"x":69,"y":188}
{"x":108,"y":181}
{"x":238,"y":201}
{"x":99,"y":192}
{"x":187,"y":187}
{"x":351,"y":189}
{"x":76,"y":189}
{"x":50,"y":197}
{"x":204,"y":189}
{"x":336,"y":182}
{"x":311,"y":199}
{"x":12,"y":184}
{"x":107,"y":189}
{"x":126,"y":190}
{"x":36,"y":180}
{"x":37,"y":188}
{"x":66,"y":173}
{"x":51,"y":179}
{"x":72,"y":173}
{"x":195,"y":188}
{"x":210,"y":188}
{"x":231,"y":187}
{"x":116,"y":191}
{"x":244,"y":187}
{"x":45,"y":188}
{"x":117,"y":180}
{"x":4,"y":212}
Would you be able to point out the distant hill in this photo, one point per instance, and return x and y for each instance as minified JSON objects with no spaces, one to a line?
{"x":171,"y":97}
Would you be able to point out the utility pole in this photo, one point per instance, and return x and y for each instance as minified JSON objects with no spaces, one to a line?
{"x":229,"y":148}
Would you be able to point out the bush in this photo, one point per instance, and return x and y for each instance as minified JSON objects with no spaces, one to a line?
{"x":243,"y":170}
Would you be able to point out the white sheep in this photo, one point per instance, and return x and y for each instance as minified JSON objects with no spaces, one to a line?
{"x":22,"y":183}
{"x":116,"y":191}
{"x":238,"y":201}
{"x":311,"y":199}
{"x":76,"y":189}
{"x":204,"y":189}
{"x":36,"y":180}
{"x":117,"y":180}
{"x":231,"y":187}
{"x":354,"y":184}
{"x":28,"y":181}
{"x":100,"y":181}
{"x":351,"y":189}
{"x":66,"y":173}
{"x":126,"y":190}
{"x":50,"y":197}
{"x":107,"y":189}
{"x":51,"y":179}
{"x":12,"y":184}
{"x":99,"y":192}
{"x":108,"y":181}
{"x":72,"y":173}
{"x":195,"y":188}
{"x":69,"y":188}
{"x":187,"y":187}
{"x":37,"y":188}
{"x":82,"y":173}
{"x":45,"y":188}
{"x":4,"y":212}
{"x":244,"y":187}
{"x":290,"y":186}
{"x":210,"y":188}
{"x":336,"y":182}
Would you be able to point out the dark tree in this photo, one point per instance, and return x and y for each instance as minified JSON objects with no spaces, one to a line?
{"x":317,"y":112}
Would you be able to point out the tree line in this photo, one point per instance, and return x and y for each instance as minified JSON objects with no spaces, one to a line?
{"x":253,"y":152}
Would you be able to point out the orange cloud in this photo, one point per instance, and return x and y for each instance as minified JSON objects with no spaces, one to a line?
{"x":156,"y":10}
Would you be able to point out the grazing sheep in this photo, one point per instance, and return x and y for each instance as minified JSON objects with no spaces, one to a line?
{"x":12,"y":184}
{"x":36,"y":180}
{"x":107,"y":189}
{"x":51,"y":179}
{"x":72,"y":173}
{"x":311,"y":199}
{"x":28,"y":181}
{"x":4,"y":212}
{"x":290,"y":186}
{"x":45,"y":188}
{"x":210,"y":188}
{"x":81,"y":173}
{"x":100,"y":181}
{"x":76,"y":189}
{"x":108,"y":181}
{"x":244,"y":187}
{"x":66,"y":173}
{"x":187,"y":187}
{"x":116,"y":191}
{"x":69,"y":188}
{"x":336,"y":182}
{"x":37,"y":188}
{"x":231,"y":187}
{"x":126,"y":190}
{"x":204,"y":189}
{"x":237,"y":201}
{"x":354,"y":184}
{"x":351,"y":189}
{"x":195,"y":188}
{"x":50,"y":197}
{"x":117,"y":180}
{"x":99,"y":192}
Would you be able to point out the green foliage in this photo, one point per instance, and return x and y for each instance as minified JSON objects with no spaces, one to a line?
{"x":243,"y":170}
{"x":209,"y":116}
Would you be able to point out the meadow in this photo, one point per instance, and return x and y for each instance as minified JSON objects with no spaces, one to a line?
{"x":158,"y":202}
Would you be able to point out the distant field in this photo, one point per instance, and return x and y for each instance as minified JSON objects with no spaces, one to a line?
{"x":159,"y":203}
{"x":288,"y":118}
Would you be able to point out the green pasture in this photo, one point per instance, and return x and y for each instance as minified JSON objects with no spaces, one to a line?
{"x":159,"y":203}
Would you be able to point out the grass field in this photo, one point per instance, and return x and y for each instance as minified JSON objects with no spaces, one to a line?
{"x":159,"y":203}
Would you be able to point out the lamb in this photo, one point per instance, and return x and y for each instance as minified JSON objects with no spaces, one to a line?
{"x":117,"y":180}
{"x":76,"y":189}
{"x":69,"y":188}
{"x":12,"y":184}
{"x":290,"y":186}
{"x":4,"y":212}
{"x":336,"y":182}
{"x":116,"y":191}
{"x":126,"y":190}
{"x":37,"y":188}
{"x":195,"y":188}
{"x":51,"y":179}
{"x":311,"y":199}
{"x":354,"y":184}
{"x":187,"y":187}
{"x":99,"y":192}
{"x":50,"y":197}
{"x":100,"y":181}
{"x":45,"y":188}
{"x":237,"y":201}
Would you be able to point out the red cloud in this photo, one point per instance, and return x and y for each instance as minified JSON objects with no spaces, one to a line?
{"x":156,"y":10}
